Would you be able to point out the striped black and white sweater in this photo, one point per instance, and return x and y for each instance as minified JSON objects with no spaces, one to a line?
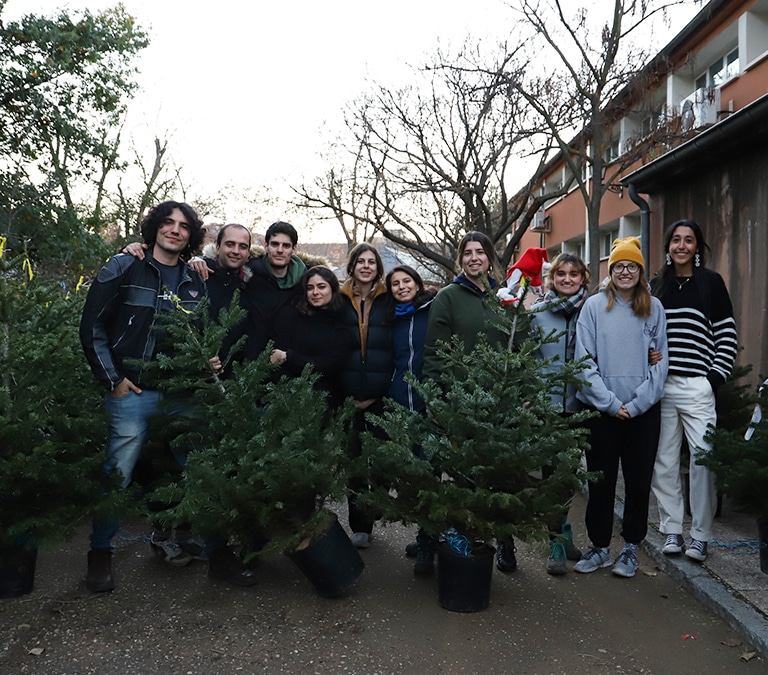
{"x":701,"y":341}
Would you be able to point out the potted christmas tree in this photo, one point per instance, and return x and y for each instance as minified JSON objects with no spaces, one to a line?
{"x":50,"y":426}
{"x":739,"y":459}
{"x":269,"y":456}
{"x":491,"y":426}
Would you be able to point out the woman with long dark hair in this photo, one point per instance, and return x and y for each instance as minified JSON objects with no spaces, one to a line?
{"x":308,"y":330}
{"x":617,"y":329}
{"x":701,"y":332}
{"x":410,"y":304}
{"x":462,"y":309}
{"x":368,"y":369}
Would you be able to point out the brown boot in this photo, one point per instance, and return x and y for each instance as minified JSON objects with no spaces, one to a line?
{"x":99,"y":576}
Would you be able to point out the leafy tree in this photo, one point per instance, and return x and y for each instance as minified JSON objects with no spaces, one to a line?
{"x":64,"y":82}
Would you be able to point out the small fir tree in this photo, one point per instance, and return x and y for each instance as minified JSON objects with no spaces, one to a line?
{"x":740,"y":465}
{"x":474,"y":463}
{"x":51,"y":425}
{"x":267,"y":454}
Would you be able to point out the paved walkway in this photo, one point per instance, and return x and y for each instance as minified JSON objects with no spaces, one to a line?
{"x":730,"y":582}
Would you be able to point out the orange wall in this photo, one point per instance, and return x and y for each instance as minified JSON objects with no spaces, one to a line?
{"x":744,"y":89}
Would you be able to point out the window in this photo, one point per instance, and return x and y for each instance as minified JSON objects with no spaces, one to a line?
{"x":720,"y":71}
{"x":606,"y":241}
{"x":611,"y":152}
{"x":654,"y":121}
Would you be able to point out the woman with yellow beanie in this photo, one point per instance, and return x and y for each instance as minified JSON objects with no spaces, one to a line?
{"x":617,"y":329}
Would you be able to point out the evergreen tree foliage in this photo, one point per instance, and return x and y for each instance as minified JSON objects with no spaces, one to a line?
{"x":741,"y":465}
{"x":491,"y":426}
{"x":267,"y":454}
{"x":51,"y":426}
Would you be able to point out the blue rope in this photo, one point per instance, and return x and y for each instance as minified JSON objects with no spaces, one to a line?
{"x":739,"y":546}
{"x":457,"y":542}
{"x":125,"y":535}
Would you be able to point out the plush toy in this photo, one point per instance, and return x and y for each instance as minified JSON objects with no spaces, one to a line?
{"x":524,"y":274}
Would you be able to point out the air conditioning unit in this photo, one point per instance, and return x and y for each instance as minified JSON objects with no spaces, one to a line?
{"x":541,"y":222}
{"x":700,"y":108}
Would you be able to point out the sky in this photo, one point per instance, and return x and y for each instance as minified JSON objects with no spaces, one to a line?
{"x":249,"y":93}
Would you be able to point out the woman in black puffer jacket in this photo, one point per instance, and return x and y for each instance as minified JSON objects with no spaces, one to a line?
{"x":368,"y":369}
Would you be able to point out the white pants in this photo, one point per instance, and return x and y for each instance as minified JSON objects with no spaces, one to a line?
{"x":688,"y":406}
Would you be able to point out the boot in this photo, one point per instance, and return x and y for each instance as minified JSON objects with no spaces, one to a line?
{"x":556,"y":561}
{"x":99,"y":576}
{"x":411,"y":549}
{"x":425,"y":554}
{"x":571,"y":552}
{"x":225,"y":565}
{"x":506,"y":560}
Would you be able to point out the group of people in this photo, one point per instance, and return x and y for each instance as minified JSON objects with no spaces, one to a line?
{"x":365,"y":336}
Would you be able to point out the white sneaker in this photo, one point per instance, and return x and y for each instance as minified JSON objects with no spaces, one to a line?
{"x":697,"y":550}
{"x":360,"y":539}
{"x":594,"y":559}
{"x":626,"y":564}
{"x":673,"y":544}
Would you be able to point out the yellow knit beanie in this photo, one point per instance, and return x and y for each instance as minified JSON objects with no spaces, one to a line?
{"x":626,"y":249}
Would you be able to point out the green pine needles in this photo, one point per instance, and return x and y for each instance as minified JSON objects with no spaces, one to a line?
{"x":267,"y":454}
{"x":474,"y":464}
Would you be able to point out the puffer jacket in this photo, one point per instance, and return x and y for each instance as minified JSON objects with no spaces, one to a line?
{"x":408,"y":335}
{"x":368,"y":369}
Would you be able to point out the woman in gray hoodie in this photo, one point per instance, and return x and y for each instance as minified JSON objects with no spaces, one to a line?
{"x":616,"y":331}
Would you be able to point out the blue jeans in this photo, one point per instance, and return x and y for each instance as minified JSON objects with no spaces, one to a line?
{"x":129,"y":418}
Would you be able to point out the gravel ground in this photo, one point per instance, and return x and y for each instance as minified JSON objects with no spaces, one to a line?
{"x":176,"y":621}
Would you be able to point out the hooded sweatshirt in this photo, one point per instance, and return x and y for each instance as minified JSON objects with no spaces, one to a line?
{"x":616,"y":345}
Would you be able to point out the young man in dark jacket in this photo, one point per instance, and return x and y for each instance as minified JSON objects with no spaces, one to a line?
{"x":118,"y":335}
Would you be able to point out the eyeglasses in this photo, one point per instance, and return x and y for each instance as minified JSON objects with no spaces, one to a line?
{"x":632,"y":268}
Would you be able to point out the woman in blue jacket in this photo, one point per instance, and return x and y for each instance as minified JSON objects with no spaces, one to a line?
{"x":410,"y":314}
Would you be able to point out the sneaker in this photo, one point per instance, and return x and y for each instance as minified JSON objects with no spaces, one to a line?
{"x":506,"y":561}
{"x":556,"y":561}
{"x":361,"y":539}
{"x":673,"y":544}
{"x":697,"y":550}
{"x":411,"y":549}
{"x":594,"y":559}
{"x":626,"y":564}
{"x":169,"y":551}
{"x":225,"y":565}
{"x":194,"y":547}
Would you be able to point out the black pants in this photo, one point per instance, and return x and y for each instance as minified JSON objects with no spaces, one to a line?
{"x":361,"y":520}
{"x":632,"y":443}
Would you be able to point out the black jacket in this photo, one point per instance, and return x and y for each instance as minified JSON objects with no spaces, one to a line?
{"x":320,"y":339}
{"x":119,"y":315}
{"x":262,"y":298}
{"x":370,"y":363}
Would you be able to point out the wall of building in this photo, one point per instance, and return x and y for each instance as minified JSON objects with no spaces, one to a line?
{"x":730,"y":202}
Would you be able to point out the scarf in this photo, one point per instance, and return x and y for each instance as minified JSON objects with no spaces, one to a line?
{"x":404,"y":309}
{"x":570,"y":307}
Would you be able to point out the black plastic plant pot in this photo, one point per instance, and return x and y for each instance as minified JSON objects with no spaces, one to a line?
{"x":17,"y":570}
{"x":330,"y":561}
{"x":464,"y":581}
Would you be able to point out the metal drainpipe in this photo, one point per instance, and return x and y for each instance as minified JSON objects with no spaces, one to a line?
{"x":645,"y":222}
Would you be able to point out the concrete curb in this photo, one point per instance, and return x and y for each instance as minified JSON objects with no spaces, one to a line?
{"x":710,"y":590}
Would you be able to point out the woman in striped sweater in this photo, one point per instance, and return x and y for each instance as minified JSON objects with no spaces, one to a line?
{"x":701,"y":334}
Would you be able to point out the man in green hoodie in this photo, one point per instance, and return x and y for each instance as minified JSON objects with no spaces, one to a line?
{"x":274,"y":277}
